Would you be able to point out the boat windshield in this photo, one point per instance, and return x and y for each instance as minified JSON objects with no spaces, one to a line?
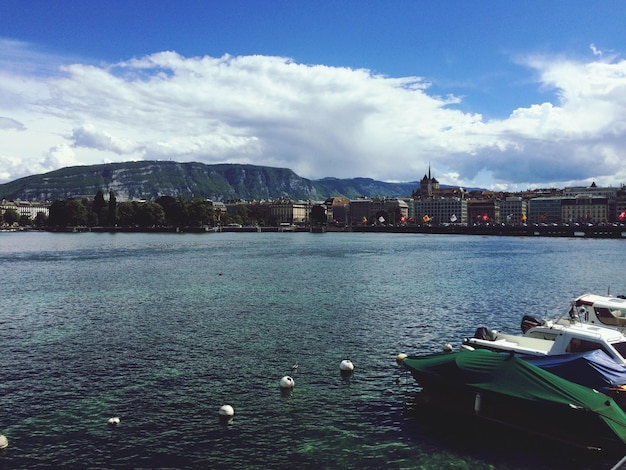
{"x":620,"y":348}
{"x":612,"y":316}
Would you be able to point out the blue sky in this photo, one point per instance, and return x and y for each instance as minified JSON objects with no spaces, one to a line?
{"x":498,"y":94}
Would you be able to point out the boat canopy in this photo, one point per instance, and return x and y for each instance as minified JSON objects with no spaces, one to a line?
{"x":593,"y":369}
{"x":508,"y":375}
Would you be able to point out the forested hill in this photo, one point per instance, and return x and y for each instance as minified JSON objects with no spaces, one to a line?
{"x":221,"y":182}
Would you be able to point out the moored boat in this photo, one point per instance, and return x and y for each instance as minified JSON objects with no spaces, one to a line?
{"x":593,"y":369}
{"x":593,"y":309}
{"x":504,"y":389}
{"x":552,"y":339}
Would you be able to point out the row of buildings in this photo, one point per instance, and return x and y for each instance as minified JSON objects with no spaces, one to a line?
{"x":431,"y":204}
{"x":434,"y":205}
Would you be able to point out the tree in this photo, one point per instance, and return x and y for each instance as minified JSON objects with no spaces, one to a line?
{"x":99,"y":209}
{"x":112,"y":210}
{"x":200,"y":213}
{"x":77,"y":212}
{"x":126,"y":213}
{"x":68,"y":213}
{"x":318,"y":214}
{"x":41,"y":219}
{"x":149,"y":214}
{"x":170,"y":209}
{"x":11,"y":216}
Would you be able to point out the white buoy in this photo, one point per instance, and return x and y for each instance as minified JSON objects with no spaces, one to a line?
{"x":400,"y":357}
{"x":346,"y":366}
{"x":227,"y":411}
{"x":114,"y":421}
{"x":447,"y":347}
{"x":4,"y":442}
{"x":287,"y":382}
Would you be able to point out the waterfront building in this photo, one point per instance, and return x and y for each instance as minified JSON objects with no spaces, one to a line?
{"x":25,"y":208}
{"x":545,"y":210}
{"x":360,"y":211}
{"x":483,"y":211}
{"x":286,"y":210}
{"x":428,"y":187}
{"x":364,"y":210}
{"x":586,"y":209}
{"x":513,"y":210}
{"x":337,"y":210}
{"x":593,"y":191}
{"x":440,"y":210}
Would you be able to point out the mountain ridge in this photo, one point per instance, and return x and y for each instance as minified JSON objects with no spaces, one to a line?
{"x":149,"y":179}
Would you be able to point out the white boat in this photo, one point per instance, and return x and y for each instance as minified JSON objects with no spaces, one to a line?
{"x":592,"y":309}
{"x":553,"y":339}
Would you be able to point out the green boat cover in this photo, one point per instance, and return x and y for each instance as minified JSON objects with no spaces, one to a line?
{"x":508,"y":375}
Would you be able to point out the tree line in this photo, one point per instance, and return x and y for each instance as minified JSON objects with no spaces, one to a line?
{"x":166,"y":211}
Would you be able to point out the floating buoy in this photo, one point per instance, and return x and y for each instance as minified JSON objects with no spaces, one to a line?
{"x":447,"y":347}
{"x":114,"y":421}
{"x":226,"y":414}
{"x":4,"y":442}
{"x":346,"y":366}
{"x":287,"y":382}
{"x":400,"y":357}
{"x":227,"y":411}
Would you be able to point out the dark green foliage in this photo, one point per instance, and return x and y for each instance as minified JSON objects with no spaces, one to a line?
{"x":112,"y":210}
{"x":99,"y":209}
{"x":68,"y":213}
{"x":10,"y":216}
{"x":41,"y":220}
{"x":141,"y":214}
{"x":318,"y":214}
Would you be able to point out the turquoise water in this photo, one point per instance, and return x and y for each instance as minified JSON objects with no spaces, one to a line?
{"x":163,"y":329}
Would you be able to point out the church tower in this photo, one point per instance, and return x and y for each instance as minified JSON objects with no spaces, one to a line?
{"x":428,"y":186}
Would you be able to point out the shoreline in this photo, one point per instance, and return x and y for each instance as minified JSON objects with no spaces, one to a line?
{"x":594,"y":231}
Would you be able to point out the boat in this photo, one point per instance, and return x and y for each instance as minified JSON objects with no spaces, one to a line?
{"x":600,"y":310}
{"x":509,"y":391}
{"x":593,"y":369}
{"x":552,"y":339}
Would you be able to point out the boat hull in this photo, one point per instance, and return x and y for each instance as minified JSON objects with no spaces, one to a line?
{"x":510,"y":392}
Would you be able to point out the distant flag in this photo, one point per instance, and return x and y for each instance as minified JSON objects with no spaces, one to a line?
{"x":485,"y":218}
{"x":426,"y":219}
{"x":381,"y":219}
{"x":622,"y":215}
{"x":453,"y":218}
{"x":403,"y":219}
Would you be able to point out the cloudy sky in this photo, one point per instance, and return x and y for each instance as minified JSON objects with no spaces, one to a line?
{"x":498,"y":94}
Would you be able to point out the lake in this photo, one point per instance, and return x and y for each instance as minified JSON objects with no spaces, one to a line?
{"x":161,"y":330}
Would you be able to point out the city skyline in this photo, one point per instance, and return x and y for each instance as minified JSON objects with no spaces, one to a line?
{"x":504,"y":96}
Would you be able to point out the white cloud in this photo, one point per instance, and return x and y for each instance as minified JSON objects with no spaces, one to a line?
{"x":317,"y":120}
{"x":8,"y":123}
{"x":595,"y":50}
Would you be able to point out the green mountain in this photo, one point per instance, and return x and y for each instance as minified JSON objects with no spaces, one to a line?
{"x":221,"y":182}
